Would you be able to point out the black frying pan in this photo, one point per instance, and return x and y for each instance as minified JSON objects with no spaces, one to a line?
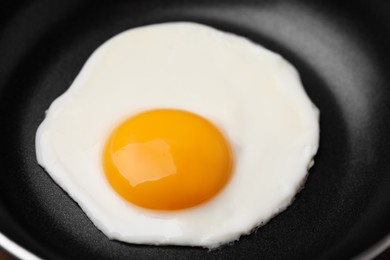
{"x":342,"y":51}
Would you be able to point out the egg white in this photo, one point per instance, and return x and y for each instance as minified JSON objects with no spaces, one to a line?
{"x":253,"y":95}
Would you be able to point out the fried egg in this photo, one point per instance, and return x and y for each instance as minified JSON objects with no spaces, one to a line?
{"x":180,"y":134}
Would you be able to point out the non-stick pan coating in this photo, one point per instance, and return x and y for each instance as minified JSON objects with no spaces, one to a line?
{"x":342,"y":51}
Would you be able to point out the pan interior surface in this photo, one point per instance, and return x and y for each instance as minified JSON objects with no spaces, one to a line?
{"x":342,"y":55}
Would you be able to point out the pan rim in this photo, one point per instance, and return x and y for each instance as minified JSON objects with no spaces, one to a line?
{"x":15,"y":249}
{"x":374,"y":250}
{"x":20,"y":252}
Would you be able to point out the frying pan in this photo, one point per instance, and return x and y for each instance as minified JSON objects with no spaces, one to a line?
{"x":342,"y":51}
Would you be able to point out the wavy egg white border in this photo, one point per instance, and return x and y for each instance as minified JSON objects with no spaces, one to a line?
{"x":21,"y":253}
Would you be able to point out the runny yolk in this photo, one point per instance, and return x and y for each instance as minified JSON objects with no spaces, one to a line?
{"x":167,"y":159}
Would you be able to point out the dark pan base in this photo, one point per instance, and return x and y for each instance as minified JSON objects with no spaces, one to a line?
{"x":342,"y":53}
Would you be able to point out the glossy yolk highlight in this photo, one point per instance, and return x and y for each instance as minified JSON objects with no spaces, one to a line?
{"x":167,"y":159}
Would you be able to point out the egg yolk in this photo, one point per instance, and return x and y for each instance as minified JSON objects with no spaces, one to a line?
{"x":167,"y":159}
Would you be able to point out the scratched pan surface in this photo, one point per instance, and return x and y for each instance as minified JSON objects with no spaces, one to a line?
{"x":340,"y":49}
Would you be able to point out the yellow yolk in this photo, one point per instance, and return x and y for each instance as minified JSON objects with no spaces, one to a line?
{"x":167,"y":159}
